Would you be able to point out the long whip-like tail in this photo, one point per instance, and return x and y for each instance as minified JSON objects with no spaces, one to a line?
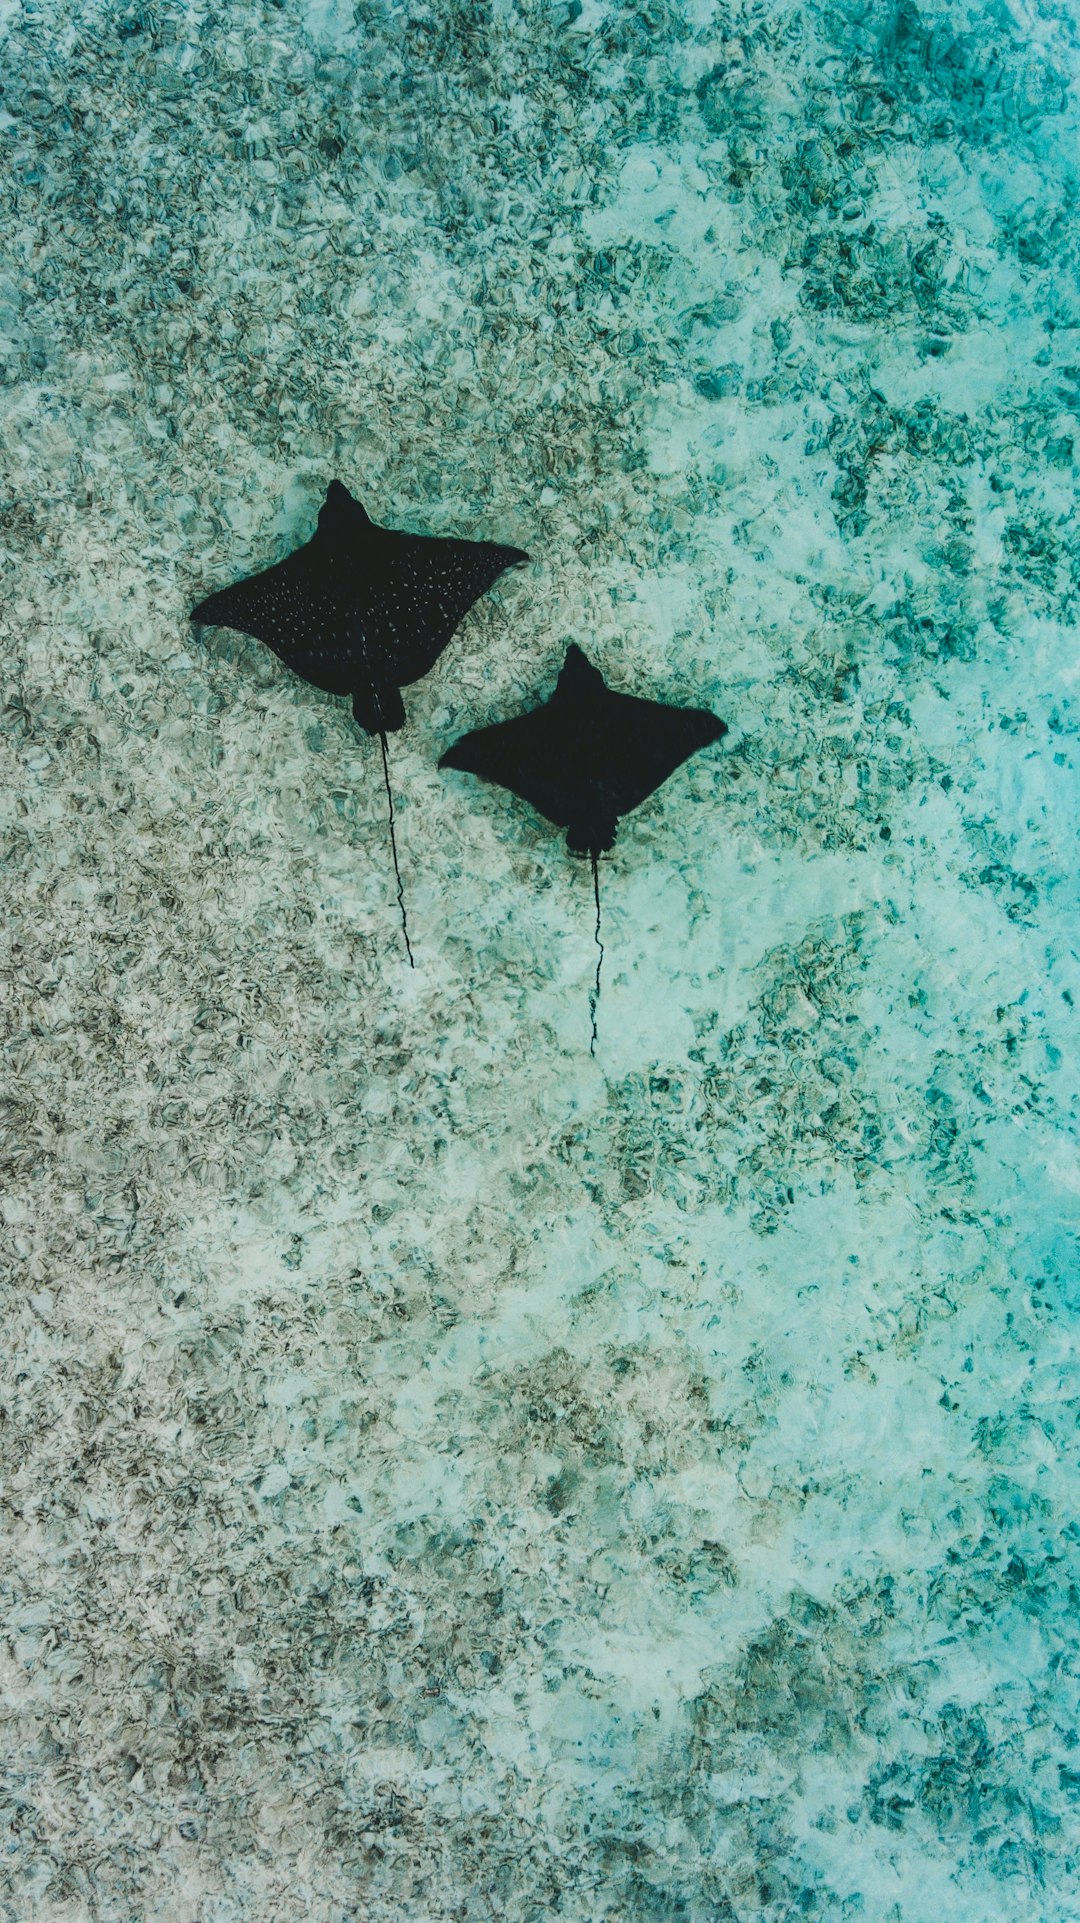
{"x":594,"y":998}
{"x":393,"y":845}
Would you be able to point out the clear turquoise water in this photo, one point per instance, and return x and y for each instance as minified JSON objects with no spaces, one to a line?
{"x":448,"y":1477}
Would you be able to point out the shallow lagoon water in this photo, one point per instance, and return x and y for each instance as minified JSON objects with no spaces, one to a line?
{"x":445,"y":1476}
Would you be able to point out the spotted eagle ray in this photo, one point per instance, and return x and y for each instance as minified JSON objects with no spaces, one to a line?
{"x":584,"y":758}
{"x":362,"y":610}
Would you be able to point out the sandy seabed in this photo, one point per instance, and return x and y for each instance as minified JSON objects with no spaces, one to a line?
{"x":447,"y":1477}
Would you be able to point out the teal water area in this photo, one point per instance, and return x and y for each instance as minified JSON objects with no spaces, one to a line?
{"x":447,"y":1476}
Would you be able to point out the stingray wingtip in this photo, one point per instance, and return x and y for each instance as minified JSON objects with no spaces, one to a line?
{"x":709,"y":727}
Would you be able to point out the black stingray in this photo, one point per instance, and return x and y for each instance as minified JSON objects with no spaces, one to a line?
{"x":585,"y":758}
{"x":361,"y":610}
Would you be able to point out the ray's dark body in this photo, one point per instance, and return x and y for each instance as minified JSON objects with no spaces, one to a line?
{"x":361,"y":610}
{"x":588,"y":755}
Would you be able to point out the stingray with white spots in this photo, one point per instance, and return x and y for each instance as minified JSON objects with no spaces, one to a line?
{"x":361,"y":610}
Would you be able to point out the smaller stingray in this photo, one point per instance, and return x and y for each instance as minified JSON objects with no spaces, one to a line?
{"x":585,"y":758}
{"x":362,"y":610}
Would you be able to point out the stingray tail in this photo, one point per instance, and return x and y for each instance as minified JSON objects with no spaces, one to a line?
{"x":594,"y":998}
{"x":393,"y":845}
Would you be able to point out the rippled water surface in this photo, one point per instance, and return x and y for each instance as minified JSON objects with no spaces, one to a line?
{"x":448,"y":1477}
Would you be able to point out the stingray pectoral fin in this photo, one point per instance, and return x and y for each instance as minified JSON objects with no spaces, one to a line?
{"x":518,"y":755}
{"x":379,"y":708}
{"x":258,"y":605}
{"x":214,"y":611}
{"x":708,"y":728}
{"x":647,"y":741}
